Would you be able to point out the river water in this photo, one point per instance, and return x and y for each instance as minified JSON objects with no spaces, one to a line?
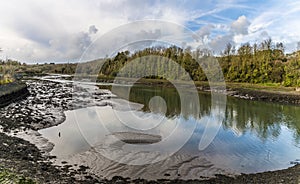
{"x":251,"y":137}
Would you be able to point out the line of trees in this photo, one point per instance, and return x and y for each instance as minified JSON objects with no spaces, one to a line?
{"x":261,"y":63}
{"x":12,"y":67}
{"x":256,"y":63}
{"x":265,"y":62}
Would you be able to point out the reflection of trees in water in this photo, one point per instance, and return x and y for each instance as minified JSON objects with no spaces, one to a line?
{"x":265,"y":119}
{"x":185,"y":105}
{"x":292,"y":116}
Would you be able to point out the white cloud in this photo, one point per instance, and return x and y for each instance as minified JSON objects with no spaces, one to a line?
{"x":240,"y":26}
{"x":280,"y":22}
{"x":205,"y":31}
{"x":234,"y":33}
{"x":218,"y":44}
{"x":48,"y":30}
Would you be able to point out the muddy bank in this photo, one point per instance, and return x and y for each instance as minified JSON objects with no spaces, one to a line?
{"x":45,"y":104}
{"x":276,"y":95}
{"x":266,"y":96}
{"x":180,"y":172}
{"x":12,"y":92}
{"x":43,"y":107}
{"x":21,"y":157}
{"x":286,"y":176}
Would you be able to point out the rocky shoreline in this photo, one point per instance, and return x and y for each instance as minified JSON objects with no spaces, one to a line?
{"x":266,"y":96}
{"x":283,"y":97}
{"x":43,"y":108}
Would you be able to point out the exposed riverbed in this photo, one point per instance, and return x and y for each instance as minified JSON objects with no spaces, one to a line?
{"x":82,"y":123}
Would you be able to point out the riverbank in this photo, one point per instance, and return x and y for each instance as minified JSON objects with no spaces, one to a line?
{"x":44,"y":108}
{"x":260,"y":92}
{"x":286,"y":176}
{"x":11,"y":92}
{"x":19,"y":121}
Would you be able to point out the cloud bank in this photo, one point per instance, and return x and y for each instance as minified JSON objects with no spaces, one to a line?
{"x":60,"y":31}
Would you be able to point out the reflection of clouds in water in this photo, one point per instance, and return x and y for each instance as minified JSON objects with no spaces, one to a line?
{"x":91,"y":113}
{"x":171,"y":130}
{"x":114,"y":120}
{"x":247,"y":152}
{"x":209,"y":134}
{"x":247,"y":149}
{"x":175,"y":133}
{"x":138,"y":120}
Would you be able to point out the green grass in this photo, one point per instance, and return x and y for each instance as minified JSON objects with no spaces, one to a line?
{"x":9,"y":177}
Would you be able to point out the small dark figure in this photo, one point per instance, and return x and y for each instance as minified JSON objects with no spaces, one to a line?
{"x":58,"y":134}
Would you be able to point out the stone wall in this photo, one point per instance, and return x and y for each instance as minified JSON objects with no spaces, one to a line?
{"x":12,"y":92}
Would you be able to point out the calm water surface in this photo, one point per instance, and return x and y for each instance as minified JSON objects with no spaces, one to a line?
{"x":254,"y":136}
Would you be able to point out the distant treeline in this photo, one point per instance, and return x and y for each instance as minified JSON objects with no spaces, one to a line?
{"x":12,"y":67}
{"x":251,"y":63}
{"x":257,"y":63}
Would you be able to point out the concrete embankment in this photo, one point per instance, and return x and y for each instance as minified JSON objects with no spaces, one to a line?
{"x":12,"y":92}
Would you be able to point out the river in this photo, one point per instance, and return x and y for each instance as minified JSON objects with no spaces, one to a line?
{"x":252,"y":137}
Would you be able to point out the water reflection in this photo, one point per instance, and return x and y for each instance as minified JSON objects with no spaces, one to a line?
{"x":256,"y":136}
{"x":266,"y":119}
{"x":175,"y":105}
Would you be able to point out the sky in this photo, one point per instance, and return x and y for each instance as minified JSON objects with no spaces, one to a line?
{"x":41,"y":31}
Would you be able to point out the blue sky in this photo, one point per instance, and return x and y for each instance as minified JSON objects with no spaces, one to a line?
{"x":42,"y":31}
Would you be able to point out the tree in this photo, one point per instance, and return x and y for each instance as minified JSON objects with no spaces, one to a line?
{"x":228,"y":49}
